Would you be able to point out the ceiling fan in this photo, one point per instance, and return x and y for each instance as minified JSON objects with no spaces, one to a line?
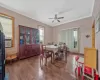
{"x":56,"y":18}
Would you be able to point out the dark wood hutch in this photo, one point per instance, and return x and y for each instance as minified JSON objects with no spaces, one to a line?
{"x":28,"y":42}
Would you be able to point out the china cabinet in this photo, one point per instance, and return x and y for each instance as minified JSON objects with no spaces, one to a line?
{"x":28,"y":42}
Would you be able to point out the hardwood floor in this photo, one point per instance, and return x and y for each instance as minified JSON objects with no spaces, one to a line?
{"x":29,"y":69}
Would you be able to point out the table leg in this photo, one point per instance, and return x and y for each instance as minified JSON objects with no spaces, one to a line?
{"x":51,"y":59}
{"x":65,"y":57}
{"x":53,"y":56}
{"x":46,"y":61}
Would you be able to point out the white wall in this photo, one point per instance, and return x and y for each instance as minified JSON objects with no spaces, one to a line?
{"x":96,"y":13}
{"x":25,"y":21}
{"x":85,"y":42}
{"x":98,"y":47}
{"x":85,"y":26}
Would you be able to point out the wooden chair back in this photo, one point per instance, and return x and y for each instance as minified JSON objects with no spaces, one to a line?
{"x":42,"y":49}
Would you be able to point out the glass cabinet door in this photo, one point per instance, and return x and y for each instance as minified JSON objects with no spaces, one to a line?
{"x":22,"y":30}
{"x":37,"y":36}
{"x":22,"y":34}
{"x":28,"y":36}
{"x":33,"y":36}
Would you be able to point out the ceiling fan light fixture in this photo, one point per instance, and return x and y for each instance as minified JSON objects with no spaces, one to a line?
{"x":56,"y":18}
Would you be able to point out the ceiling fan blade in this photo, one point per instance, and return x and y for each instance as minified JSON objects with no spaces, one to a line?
{"x":50,"y":18}
{"x":55,"y":15}
{"x":58,"y":20}
{"x":60,"y":17}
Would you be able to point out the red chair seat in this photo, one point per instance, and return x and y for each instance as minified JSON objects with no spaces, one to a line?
{"x":88,"y":70}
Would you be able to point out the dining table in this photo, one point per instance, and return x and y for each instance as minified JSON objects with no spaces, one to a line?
{"x":54,"y":49}
{"x":51,"y":48}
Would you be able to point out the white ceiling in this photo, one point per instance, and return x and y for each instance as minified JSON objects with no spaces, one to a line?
{"x":41,"y":10}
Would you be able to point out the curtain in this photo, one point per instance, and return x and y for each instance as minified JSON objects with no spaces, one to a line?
{"x":70,"y":37}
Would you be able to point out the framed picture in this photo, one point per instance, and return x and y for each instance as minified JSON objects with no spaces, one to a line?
{"x":8,"y":43}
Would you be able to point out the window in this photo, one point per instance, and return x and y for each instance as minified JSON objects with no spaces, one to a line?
{"x":7,"y":23}
{"x":41,"y":33}
{"x":70,"y":37}
{"x":75,"y":38}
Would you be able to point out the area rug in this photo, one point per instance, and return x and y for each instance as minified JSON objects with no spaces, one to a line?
{"x":60,"y":64}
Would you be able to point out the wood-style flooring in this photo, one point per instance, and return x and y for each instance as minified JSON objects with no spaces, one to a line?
{"x":29,"y":69}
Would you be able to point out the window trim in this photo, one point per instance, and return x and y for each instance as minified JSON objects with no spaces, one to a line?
{"x":13,"y":29}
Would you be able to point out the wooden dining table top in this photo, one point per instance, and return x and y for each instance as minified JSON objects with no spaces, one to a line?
{"x":51,"y":47}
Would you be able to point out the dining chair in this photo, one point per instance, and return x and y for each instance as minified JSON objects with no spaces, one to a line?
{"x":62,"y":51}
{"x":45,"y":54}
{"x":66,"y":52}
